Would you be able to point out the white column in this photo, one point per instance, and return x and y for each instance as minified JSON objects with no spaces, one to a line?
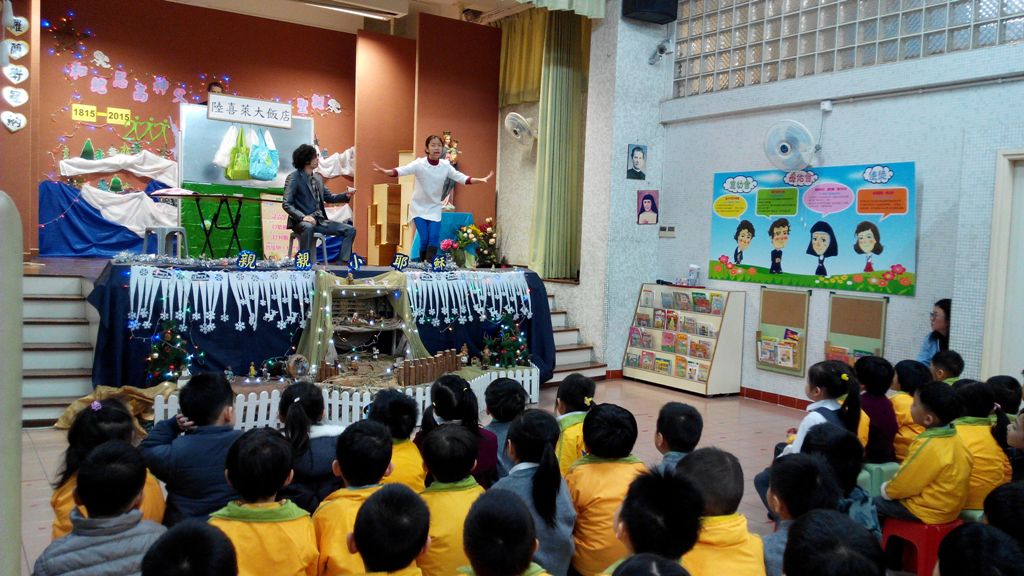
{"x":10,"y":376}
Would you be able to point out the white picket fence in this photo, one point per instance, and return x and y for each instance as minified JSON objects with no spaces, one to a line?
{"x":343,"y":408}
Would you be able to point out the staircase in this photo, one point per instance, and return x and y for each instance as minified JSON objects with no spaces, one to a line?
{"x":571,"y":355}
{"x":57,"y":349}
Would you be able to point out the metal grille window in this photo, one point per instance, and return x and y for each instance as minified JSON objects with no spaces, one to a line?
{"x":724,"y":44}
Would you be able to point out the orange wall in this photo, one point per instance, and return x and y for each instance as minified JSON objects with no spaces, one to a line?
{"x":385,"y":107}
{"x":457,"y":90}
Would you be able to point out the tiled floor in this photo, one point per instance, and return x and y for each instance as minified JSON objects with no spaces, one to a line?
{"x":747,"y":428}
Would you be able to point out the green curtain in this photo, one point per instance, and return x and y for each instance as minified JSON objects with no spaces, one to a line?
{"x":558,"y":200}
{"x":522,"y":56}
{"x":588,"y":8}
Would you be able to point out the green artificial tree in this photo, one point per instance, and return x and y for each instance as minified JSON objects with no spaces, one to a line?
{"x":87,"y":151}
{"x":167,"y":355}
{"x":509,"y":347}
{"x":97,"y":154}
{"x":116,"y":185}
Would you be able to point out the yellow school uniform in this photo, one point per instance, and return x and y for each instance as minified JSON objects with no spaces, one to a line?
{"x":274,"y":538}
{"x":863,"y":425}
{"x":407,"y":466}
{"x":725,"y":546}
{"x":334,"y":520}
{"x":908,"y":430}
{"x":570,"y":441}
{"x":932,"y":482}
{"x":990,"y":466}
{"x":449,"y":505}
{"x":534,"y":570}
{"x":597,"y":487}
{"x":410,"y":570}
{"x":63,"y":501}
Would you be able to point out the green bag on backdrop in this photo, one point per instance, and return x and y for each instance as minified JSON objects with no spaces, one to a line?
{"x":238,"y":167}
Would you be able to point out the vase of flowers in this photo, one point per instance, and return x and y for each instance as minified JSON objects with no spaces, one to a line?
{"x":487,"y":254}
{"x":467,"y":237}
{"x":455,"y":251}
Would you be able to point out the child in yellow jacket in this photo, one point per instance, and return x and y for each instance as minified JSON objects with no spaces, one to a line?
{"x":391,"y":532}
{"x":575,"y":397}
{"x":449,"y":454}
{"x":931,"y":484}
{"x":363,"y":458}
{"x":724,"y":545}
{"x":500,"y":537}
{"x":398,"y":412}
{"x":909,"y":375}
{"x":598,"y":483}
{"x":99,"y":422}
{"x":269,"y":537}
{"x":983,"y":440}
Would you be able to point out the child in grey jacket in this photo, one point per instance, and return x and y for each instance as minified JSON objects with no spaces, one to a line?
{"x":114,"y":538}
{"x":535,"y":477}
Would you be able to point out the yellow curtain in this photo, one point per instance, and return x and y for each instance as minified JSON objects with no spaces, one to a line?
{"x":558,"y":200}
{"x":522,"y":56}
{"x":588,"y":8}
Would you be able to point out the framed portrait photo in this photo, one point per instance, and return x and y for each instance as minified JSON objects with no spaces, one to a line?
{"x":646,"y":207}
{"x":636,"y":162}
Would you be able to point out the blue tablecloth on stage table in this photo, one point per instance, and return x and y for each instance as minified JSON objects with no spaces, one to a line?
{"x":120,"y":358}
{"x":450,"y":223}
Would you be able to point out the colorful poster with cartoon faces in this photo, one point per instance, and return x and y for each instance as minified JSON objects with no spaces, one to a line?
{"x":834,"y":227}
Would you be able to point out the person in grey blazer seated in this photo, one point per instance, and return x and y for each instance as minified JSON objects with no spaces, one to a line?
{"x":304,"y":197}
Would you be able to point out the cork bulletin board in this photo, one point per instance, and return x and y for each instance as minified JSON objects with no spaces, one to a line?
{"x":782,"y":335}
{"x":856,"y":327}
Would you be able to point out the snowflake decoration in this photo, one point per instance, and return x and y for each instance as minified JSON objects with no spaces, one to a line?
{"x":239,"y":326}
{"x":133,"y":324}
{"x":281,"y":324}
{"x":143,"y":312}
{"x":196,"y":316}
{"x":302,"y":324}
{"x":147,"y":325}
{"x":165,"y":316}
{"x":224,"y":318}
{"x":179,"y":315}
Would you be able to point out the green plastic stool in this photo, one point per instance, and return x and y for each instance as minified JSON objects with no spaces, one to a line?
{"x":879,"y":474}
{"x":971,"y":515}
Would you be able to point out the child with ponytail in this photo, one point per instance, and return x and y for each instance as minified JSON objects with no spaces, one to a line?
{"x":301,"y":410}
{"x":573,"y":401}
{"x":99,"y":422}
{"x":983,"y":439}
{"x":453,"y":402}
{"x":532,"y":437}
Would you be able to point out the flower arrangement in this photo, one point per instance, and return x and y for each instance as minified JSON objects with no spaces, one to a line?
{"x":448,"y":245}
{"x":468,"y":236}
{"x":487,"y":254}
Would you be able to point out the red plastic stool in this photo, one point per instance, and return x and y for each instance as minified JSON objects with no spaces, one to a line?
{"x":925,"y":538}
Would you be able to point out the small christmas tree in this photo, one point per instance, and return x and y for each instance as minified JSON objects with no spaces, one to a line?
{"x":508,"y":347}
{"x":87,"y":151}
{"x":167,"y":355}
{"x":116,"y":185}
{"x":97,"y":154}
{"x":112,"y":151}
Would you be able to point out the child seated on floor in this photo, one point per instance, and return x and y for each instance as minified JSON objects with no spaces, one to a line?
{"x":649,"y":565}
{"x":931,"y":484}
{"x":99,"y":422}
{"x":845,"y":457}
{"x":983,"y":439}
{"x":191,"y":548}
{"x":724,"y":545}
{"x":505,"y":399}
{"x":1002,"y":510}
{"x":598,"y":483}
{"x":1007,"y":392}
{"x":188,"y":452}
{"x":398,"y":412}
{"x":574,"y":398}
{"x":448,"y":455}
{"x":391,"y":531}
{"x":798,"y":484}
{"x":499,"y":537}
{"x":453,"y":403}
{"x":980,"y":550}
{"x":828,"y":543}
{"x":947,"y":365}
{"x":909,"y":374}
{"x":362,"y":458}
{"x":875,"y":375}
{"x":677,"y":433}
{"x":660,"y":515}
{"x":114,"y":537}
{"x":269,"y":536}
{"x":301,"y":410}
{"x":535,"y":478}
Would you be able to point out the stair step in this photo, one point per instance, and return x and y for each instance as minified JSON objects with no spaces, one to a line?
{"x":593,"y":370}
{"x":573,"y":354}
{"x":567,"y":335}
{"x":42,"y":330}
{"x":38,"y":285}
{"x":54,"y":297}
{"x":56,"y":346}
{"x":47,"y":383}
{"x":559,"y":318}
{"x":57,"y":355}
{"x":54,"y":306}
{"x":43,"y":411}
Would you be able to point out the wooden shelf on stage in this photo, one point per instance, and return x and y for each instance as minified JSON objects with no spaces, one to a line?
{"x":385,"y":227}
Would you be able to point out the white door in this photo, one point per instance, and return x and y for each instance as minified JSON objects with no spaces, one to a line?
{"x":1003,"y":348}
{"x":1011,"y":357}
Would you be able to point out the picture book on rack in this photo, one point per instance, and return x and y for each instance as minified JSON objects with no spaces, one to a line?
{"x":682,"y":301}
{"x":680,"y":367}
{"x":785,"y":354}
{"x":671,"y":320}
{"x":635,"y":337}
{"x":646,"y":340}
{"x":647,"y":298}
{"x":647,"y":360}
{"x":682,"y":344}
{"x":689,"y":325}
{"x":706,"y":329}
{"x":717,"y":303}
{"x":662,"y":366}
{"x":692,"y":369}
{"x":632,"y":360}
{"x":701,"y":302}
{"x":668,"y":342}
{"x":666,"y":300}
{"x":659,"y":319}
{"x":700,"y":349}
{"x":702,"y":372}
{"x":643,"y":320}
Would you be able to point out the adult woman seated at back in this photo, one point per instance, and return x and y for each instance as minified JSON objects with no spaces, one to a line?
{"x":938,"y":339}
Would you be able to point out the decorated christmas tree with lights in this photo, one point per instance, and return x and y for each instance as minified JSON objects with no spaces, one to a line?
{"x":167,"y":354}
{"x":508,"y":347}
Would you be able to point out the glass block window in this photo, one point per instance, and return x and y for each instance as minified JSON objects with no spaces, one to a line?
{"x":727,"y":44}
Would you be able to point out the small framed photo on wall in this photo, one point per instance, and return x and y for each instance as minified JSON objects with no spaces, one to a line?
{"x":646,"y":207}
{"x":636,"y":163}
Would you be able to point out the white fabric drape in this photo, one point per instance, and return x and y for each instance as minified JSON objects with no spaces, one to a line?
{"x":145,"y":164}
{"x":135,"y":210}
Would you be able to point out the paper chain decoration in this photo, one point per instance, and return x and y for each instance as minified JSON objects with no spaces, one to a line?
{"x":280,"y":297}
{"x":450,"y":297}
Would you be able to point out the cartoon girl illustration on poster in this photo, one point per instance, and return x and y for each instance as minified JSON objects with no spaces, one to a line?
{"x":869,"y":241}
{"x":823,"y":245}
{"x":744,"y":234}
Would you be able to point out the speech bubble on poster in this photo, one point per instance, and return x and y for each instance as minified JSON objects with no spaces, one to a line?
{"x":730,"y":206}
{"x":828,"y":198}
{"x":740,"y":184}
{"x":884,"y":201}
{"x":773,"y":202}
